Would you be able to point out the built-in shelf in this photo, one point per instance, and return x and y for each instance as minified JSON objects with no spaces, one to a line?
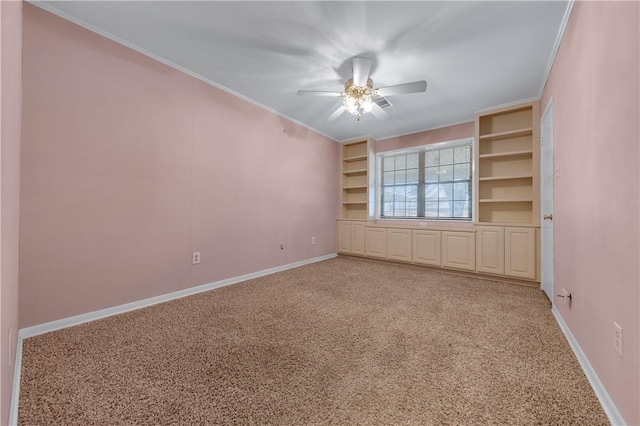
{"x":524,"y":152}
{"x":357,"y":180}
{"x":521,"y":225}
{"x":507,"y":165}
{"x":488,"y":178}
{"x":355,"y":172}
{"x":506,"y":200}
{"x":355,"y":158}
{"x":508,"y":134}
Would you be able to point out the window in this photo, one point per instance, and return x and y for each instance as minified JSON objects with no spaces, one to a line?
{"x":433,"y":182}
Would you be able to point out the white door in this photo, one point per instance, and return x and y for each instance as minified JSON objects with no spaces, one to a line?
{"x":546,"y":197}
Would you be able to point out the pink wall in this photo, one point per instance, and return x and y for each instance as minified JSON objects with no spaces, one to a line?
{"x":10,"y":122}
{"x":129,"y":165}
{"x":443,"y":134}
{"x":594,"y":85}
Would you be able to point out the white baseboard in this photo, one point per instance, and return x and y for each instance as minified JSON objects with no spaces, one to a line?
{"x":601,"y":393}
{"x":120,"y":309}
{"x":15,"y":390}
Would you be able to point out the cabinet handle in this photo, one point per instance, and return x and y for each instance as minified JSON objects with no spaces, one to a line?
{"x":548,"y":217}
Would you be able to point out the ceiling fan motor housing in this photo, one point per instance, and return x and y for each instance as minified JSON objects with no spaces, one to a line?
{"x":357,"y":91}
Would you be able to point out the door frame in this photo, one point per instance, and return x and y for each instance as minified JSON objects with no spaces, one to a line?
{"x":549,"y":258}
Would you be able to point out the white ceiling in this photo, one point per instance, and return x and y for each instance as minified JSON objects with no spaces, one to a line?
{"x":473,"y":55}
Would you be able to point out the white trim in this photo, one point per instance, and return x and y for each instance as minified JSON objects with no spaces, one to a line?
{"x":507,"y":105}
{"x":546,"y":110}
{"x":426,"y":147}
{"x":556,"y":46}
{"x":15,"y":391}
{"x":23,"y":333}
{"x":49,"y":8}
{"x":115,"y":310}
{"x":428,"y":129}
{"x":607,"y":404}
{"x":542,"y":117}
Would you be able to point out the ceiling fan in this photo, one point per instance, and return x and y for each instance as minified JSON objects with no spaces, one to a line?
{"x":359,"y":96}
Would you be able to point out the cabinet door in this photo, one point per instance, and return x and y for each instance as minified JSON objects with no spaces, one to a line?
{"x":490,"y":249}
{"x":399,"y":244}
{"x":520,"y":252}
{"x":426,"y":247}
{"x":459,"y":250}
{"x":344,"y":237}
{"x":357,"y":238}
{"x":376,"y":242}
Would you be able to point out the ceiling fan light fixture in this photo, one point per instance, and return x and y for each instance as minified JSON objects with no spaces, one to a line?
{"x":350,"y":104}
{"x":358,"y":99}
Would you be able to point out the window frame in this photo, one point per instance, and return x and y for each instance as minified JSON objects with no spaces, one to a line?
{"x":420,"y":148}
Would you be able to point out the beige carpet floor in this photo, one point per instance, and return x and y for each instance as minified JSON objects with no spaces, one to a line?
{"x":344,"y":341}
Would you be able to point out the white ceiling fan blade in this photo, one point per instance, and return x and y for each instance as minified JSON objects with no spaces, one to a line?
{"x":319,"y":93}
{"x":400,"y":89}
{"x":379,"y":113}
{"x":337,"y":113}
{"x":361,"y":69}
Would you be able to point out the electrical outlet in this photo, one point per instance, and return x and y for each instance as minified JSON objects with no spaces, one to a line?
{"x":195,"y":258}
{"x":313,"y":240}
{"x":617,"y":338}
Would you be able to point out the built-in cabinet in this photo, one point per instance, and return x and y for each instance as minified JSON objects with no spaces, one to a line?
{"x":426,"y":247}
{"x":344,"y":237}
{"x":351,"y":237}
{"x":490,"y":249}
{"x":459,"y":250}
{"x":375,"y":242}
{"x":497,"y":250}
{"x":520,"y":252}
{"x":399,"y":244}
{"x":357,"y":238}
{"x":441,"y":248}
{"x":509,"y":251}
{"x":507,"y":161}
